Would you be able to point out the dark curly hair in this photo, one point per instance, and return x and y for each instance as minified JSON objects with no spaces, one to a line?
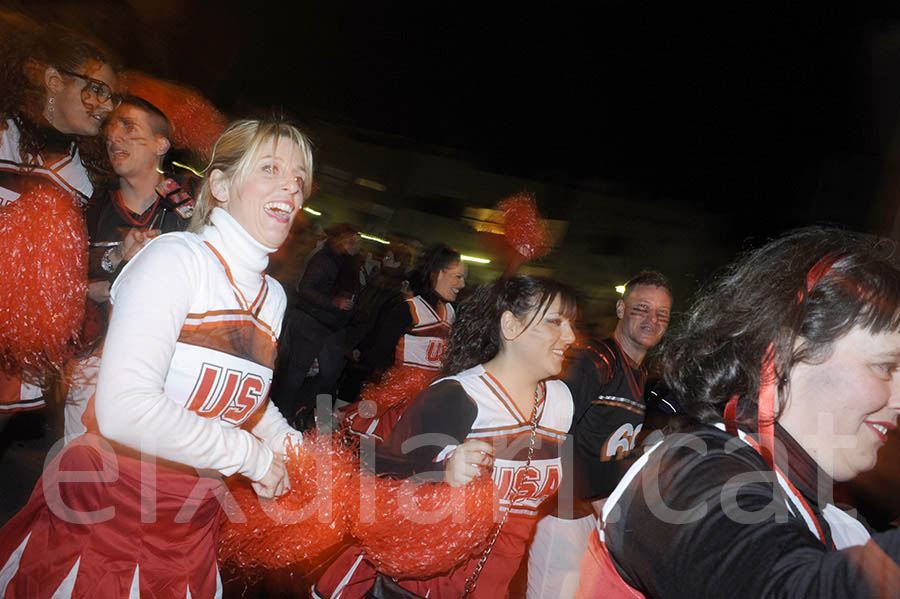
{"x":761,"y":300}
{"x":475,"y":336}
{"x":436,"y":259}
{"x":26,"y":50}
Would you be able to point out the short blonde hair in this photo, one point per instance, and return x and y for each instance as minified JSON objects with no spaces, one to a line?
{"x":238,"y":149}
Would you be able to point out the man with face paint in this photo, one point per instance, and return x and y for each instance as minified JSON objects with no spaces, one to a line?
{"x":606,"y":379}
{"x":143,"y":202}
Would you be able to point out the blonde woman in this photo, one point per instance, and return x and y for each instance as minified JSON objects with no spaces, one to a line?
{"x":181,"y":398}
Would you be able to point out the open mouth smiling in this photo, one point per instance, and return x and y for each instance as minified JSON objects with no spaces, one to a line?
{"x":279,"y":210}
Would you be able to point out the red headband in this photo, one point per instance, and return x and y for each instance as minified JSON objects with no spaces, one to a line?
{"x":765,"y":416}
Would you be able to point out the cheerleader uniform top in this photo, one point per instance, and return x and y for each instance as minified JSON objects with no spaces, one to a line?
{"x":474,"y":405}
{"x":189,"y":354}
{"x":424,"y":342}
{"x":58,"y":163}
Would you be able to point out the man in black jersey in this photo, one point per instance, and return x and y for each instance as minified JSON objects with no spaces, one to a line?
{"x":143,"y":201}
{"x":606,"y":379}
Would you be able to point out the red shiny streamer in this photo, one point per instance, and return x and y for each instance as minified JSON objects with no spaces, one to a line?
{"x":44,"y":274}
{"x":400,"y":384}
{"x":298,"y":527}
{"x":419,"y":530}
{"x":524,"y":230}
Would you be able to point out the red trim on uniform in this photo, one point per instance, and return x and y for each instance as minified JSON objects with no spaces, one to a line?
{"x":430,"y":367}
{"x":43,"y":175}
{"x":503,"y":396}
{"x":752,"y":443}
{"x":240,"y":339}
{"x":636,"y":391}
{"x":424,"y":331}
{"x":430,"y":309}
{"x":599,"y":577}
{"x":26,"y":405}
{"x":238,"y":322}
{"x":10,"y":388}
{"x":609,"y":369}
{"x":618,"y":404}
{"x":260,"y":299}
{"x":520,"y":426}
{"x":237,"y":292}
{"x":127,"y":214}
{"x":412,"y":310}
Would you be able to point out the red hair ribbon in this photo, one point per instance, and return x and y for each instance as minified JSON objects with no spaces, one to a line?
{"x":817,"y":273}
{"x":766,"y":401}
{"x":765,"y":408}
{"x":731,"y":415}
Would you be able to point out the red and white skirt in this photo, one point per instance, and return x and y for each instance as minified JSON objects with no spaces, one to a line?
{"x":102,"y":524}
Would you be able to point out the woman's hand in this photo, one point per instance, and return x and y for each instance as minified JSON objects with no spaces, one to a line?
{"x":134,"y":241}
{"x":343,"y":303}
{"x":276,"y":481}
{"x":468,"y":461}
{"x":98,"y":291}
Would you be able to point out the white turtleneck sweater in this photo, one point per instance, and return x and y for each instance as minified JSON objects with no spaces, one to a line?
{"x":187,"y":360}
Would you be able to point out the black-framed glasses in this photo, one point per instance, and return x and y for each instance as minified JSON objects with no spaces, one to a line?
{"x":99,"y":89}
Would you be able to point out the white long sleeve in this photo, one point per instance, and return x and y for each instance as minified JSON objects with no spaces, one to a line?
{"x":151,"y":372}
{"x":274,"y":430}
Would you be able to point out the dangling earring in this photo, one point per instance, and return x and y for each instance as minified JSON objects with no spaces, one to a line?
{"x":50,"y":108}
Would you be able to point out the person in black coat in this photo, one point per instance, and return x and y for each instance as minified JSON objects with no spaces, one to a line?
{"x":322,"y":309}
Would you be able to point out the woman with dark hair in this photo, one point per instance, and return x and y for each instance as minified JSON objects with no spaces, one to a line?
{"x":411,"y":336}
{"x":497,"y":409}
{"x":182,"y":395}
{"x":787,"y":367}
{"x":57,"y":87}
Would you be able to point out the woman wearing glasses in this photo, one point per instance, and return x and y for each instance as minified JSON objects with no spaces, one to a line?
{"x":57,"y":89}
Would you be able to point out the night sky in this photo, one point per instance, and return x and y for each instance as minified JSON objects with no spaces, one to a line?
{"x":767,"y":114}
{"x":775,"y":115}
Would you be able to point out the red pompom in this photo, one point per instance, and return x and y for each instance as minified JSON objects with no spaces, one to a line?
{"x":400,"y":384}
{"x":386,"y":400}
{"x":524,"y":231}
{"x":196,"y":123}
{"x":412,"y":529}
{"x":44,"y":274}
{"x":300,"y":525}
